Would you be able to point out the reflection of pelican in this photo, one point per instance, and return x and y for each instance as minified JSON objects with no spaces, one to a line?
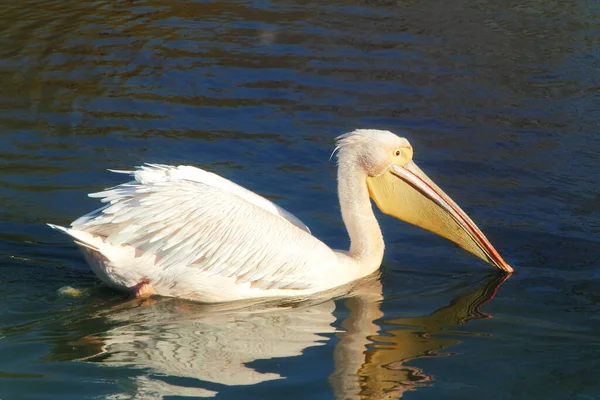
{"x":214,"y":345}
{"x":369,"y":364}
{"x":210,"y":343}
{"x":175,"y":339}
{"x":185,"y":232}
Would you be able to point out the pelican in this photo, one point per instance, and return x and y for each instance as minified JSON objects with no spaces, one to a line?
{"x":180,"y":231}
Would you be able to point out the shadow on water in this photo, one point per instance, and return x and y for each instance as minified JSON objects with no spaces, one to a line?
{"x":188,"y":349}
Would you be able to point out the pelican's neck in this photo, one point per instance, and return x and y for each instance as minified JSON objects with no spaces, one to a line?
{"x":366,"y":241}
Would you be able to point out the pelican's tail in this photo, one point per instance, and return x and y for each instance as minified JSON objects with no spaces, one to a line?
{"x":83,"y":239}
{"x":100,"y":256}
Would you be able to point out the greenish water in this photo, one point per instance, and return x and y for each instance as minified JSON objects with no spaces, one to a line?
{"x":499,"y":99}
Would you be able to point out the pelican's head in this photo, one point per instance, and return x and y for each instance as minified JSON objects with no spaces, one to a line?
{"x":401,"y":189}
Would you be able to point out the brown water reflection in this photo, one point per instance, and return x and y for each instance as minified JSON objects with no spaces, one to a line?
{"x":381,"y":371}
{"x":216,"y":345}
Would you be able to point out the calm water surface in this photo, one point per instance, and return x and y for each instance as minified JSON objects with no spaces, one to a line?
{"x":500,"y":100}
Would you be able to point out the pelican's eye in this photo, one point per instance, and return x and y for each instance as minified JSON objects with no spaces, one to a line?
{"x":401,"y":155}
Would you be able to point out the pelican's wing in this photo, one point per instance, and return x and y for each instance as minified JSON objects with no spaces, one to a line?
{"x":153,"y":173}
{"x":188,"y":218}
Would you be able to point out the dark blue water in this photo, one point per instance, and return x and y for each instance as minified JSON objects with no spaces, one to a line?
{"x":499,"y":99}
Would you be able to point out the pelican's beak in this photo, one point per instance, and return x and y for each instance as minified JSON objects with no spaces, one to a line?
{"x":406,"y":193}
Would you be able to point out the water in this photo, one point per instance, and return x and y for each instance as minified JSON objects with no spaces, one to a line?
{"x":499,"y":99}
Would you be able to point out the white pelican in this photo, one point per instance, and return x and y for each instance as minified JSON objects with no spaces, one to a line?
{"x":185,"y":232}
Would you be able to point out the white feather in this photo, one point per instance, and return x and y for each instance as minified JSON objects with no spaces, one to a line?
{"x":194,"y":234}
